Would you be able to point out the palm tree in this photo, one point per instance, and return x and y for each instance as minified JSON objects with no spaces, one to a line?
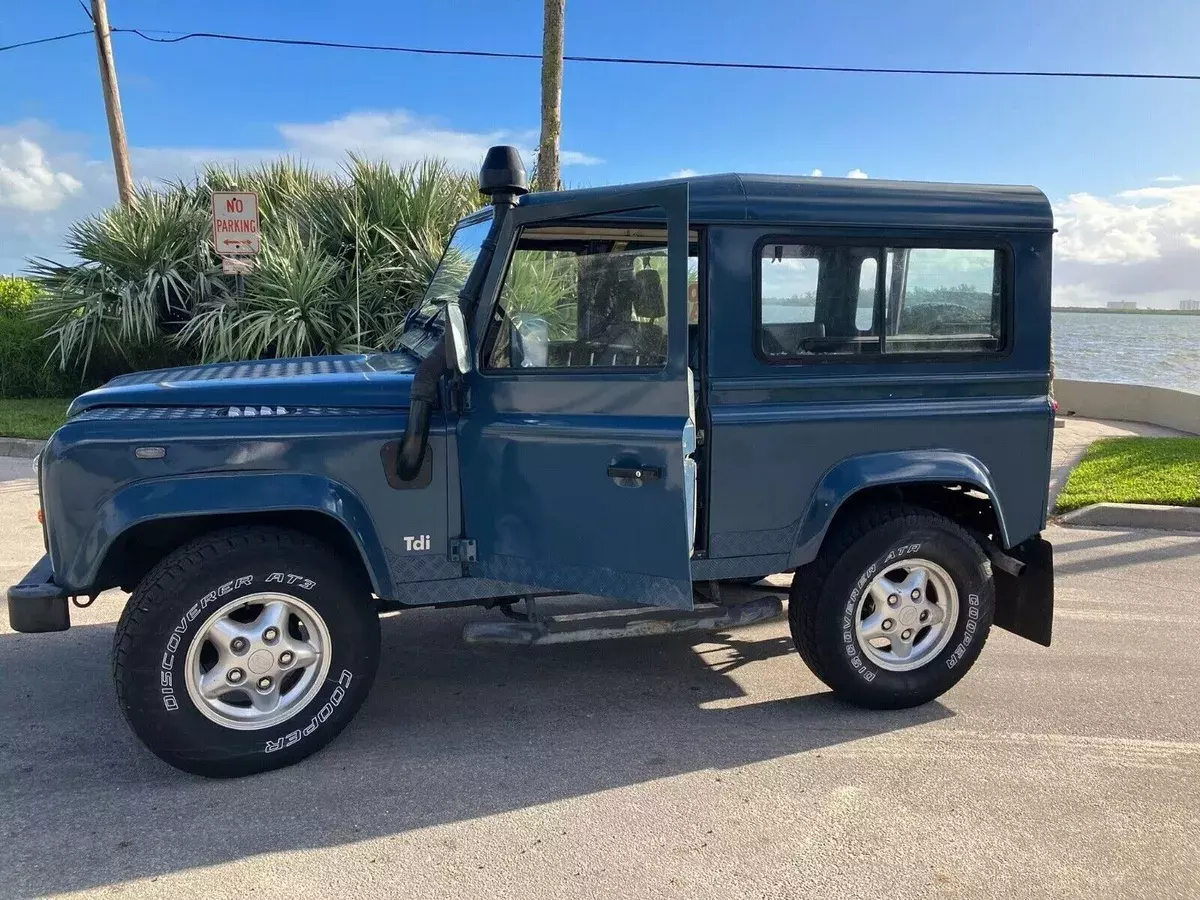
{"x":345,"y":256}
{"x":549,"y":175}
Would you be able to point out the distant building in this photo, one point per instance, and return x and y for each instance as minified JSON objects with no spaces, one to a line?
{"x":1189,"y":305}
{"x":1122,"y":304}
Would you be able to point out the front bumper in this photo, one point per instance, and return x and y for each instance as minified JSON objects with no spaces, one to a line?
{"x":37,"y":604}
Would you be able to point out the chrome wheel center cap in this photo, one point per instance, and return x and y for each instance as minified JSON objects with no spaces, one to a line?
{"x":260,"y":662}
{"x":908,"y":617}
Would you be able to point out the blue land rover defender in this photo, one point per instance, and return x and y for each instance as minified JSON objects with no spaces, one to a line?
{"x":652,"y":393}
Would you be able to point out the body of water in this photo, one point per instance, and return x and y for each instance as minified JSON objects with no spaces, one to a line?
{"x":1163,"y":351}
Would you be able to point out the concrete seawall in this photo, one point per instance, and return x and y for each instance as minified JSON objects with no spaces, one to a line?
{"x":1129,"y":402}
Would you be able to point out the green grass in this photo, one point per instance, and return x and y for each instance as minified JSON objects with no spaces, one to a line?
{"x":32,"y":418}
{"x":1136,"y":470}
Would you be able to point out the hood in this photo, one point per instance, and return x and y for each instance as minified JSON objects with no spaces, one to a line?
{"x":373,"y":380}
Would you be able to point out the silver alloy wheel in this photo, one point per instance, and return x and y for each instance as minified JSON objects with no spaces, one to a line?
{"x":258,"y":661}
{"x":906,"y":615}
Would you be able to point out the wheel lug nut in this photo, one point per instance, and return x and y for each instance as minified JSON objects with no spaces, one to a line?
{"x":906,"y":634}
{"x":924,"y":614}
{"x":916,"y":594}
{"x":234,"y":676}
{"x":271,"y":634}
{"x":893,"y":599}
{"x":264,"y":684}
{"x":285,"y":658}
{"x":887,"y":624}
{"x":239,"y":645}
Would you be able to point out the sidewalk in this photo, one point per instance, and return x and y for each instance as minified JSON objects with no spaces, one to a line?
{"x":1076,"y":436}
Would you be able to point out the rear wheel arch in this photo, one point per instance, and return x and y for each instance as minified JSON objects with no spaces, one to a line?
{"x":954,"y":485}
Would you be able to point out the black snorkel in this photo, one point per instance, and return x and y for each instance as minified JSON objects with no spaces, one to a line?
{"x":502,"y":179}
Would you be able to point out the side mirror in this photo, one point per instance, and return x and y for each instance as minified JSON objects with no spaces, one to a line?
{"x":458,"y":339}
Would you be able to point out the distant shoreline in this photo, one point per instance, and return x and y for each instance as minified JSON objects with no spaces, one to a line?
{"x":1126,"y":312}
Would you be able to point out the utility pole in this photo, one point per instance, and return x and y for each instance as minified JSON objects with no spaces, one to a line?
{"x":112,"y":101}
{"x":548,"y":173}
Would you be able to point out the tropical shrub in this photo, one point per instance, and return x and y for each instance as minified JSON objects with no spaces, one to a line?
{"x":345,"y":256}
{"x":16,"y":294}
{"x":23,"y":350}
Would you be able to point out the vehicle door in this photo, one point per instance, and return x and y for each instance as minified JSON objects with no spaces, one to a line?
{"x":575,"y":444}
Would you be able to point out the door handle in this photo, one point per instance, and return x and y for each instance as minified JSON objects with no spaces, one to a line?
{"x":635,"y":473}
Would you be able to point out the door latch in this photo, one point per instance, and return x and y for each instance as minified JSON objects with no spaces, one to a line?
{"x":635,"y":473}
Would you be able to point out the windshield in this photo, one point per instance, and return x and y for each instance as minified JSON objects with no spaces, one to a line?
{"x":423,"y":326}
{"x":452,"y":271}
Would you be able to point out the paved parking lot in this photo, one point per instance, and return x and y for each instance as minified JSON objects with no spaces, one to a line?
{"x":662,"y":767}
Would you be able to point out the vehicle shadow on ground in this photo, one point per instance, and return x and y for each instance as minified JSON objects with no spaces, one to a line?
{"x":450,"y":733}
{"x":1084,"y":563}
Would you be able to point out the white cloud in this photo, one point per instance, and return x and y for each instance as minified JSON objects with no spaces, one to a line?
{"x":1169,"y":178}
{"x":816,"y":173}
{"x":683,"y":173}
{"x":27,"y":180}
{"x":400,"y":136}
{"x":1141,"y":244}
{"x":857,"y":173}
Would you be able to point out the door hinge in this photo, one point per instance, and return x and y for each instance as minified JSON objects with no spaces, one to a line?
{"x":462,"y":550}
{"x":460,"y":396}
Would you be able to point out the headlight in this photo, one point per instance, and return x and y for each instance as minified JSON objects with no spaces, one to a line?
{"x":37,"y":464}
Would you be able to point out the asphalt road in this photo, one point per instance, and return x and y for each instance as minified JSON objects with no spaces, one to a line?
{"x":660,"y":767}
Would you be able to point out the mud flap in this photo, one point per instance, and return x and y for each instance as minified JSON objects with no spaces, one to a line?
{"x":1025,"y":602}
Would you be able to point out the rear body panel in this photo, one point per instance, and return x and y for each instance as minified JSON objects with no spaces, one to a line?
{"x":785,"y":437}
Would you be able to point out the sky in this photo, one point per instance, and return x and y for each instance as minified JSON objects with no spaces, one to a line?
{"x":1120,"y":161}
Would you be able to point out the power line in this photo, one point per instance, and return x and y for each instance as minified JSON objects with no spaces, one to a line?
{"x":640,"y":61}
{"x":45,"y":40}
{"x":626,"y":60}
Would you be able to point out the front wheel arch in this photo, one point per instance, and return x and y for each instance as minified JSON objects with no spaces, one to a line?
{"x":142,"y":546}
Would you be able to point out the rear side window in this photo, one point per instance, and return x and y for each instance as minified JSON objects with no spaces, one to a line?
{"x":944,"y":301}
{"x":828,"y":300}
{"x":818,"y":300}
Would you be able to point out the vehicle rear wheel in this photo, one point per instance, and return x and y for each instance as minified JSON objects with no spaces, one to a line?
{"x":245,"y":650}
{"x":895,"y":609}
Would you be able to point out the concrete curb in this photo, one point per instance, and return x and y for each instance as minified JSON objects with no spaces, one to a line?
{"x":1130,"y":515}
{"x":20,"y":448}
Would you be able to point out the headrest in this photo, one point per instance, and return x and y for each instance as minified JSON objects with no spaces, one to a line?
{"x":649,"y":303}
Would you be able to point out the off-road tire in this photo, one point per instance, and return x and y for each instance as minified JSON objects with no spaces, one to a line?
{"x":825,"y":592}
{"x":167,"y":611}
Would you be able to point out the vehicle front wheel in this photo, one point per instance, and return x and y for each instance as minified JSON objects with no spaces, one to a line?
{"x":245,"y":650}
{"x":895,"y":609}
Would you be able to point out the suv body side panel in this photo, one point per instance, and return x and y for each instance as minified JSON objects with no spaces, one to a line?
{"x":96,"y":488}
{"x":790,"y":439}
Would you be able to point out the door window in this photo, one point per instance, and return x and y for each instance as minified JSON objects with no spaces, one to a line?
{"x":583,"y":297}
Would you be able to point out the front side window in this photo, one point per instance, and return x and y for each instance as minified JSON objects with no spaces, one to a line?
{"x":582,"y":297}
{"x":829,"y":300}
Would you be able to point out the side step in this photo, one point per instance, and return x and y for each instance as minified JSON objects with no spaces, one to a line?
{"x":622,"y":623}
